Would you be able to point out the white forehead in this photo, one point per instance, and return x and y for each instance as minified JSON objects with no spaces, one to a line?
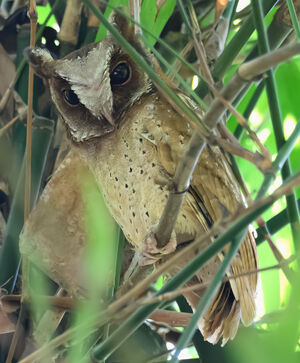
{"x":88,"y":77}
{"x":86,"y":69}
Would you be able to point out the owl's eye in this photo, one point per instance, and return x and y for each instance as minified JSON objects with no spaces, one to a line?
{"x":71,"y":97}
{"x":120,"y":74}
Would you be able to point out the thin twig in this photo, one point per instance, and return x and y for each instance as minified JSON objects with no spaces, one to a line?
{"x":67,"y":303}
{"x":277,"y":254}
{"x":169,"y":296}
{"x":7,"y":94}
{"x":199,"y":47}
{"x":172,"y":318}
{"x":8,"y":125}
{"x":255,"y":158}
{"x":33,"y":22}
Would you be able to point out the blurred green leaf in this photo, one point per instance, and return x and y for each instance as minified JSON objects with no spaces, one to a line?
{"x":276,"y":345}
{"x":145,"y":344}
{"x":43,"y":12}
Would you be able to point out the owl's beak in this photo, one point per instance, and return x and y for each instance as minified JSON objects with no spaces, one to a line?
{"x":109,"y":118}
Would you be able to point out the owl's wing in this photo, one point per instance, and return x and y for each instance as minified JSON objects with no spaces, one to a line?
{"x":213,"y":191}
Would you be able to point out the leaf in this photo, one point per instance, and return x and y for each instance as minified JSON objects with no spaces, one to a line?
{"x":144,"y":344}
{"x":153,"y":18}
{"x":159,"y":5}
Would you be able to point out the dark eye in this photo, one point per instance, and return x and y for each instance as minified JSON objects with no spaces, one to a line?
{"x":120,"y":74}
{"x":71,"y":97}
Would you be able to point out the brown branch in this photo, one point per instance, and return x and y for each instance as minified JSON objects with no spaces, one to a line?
{"x":263,"y":164}
{"x":33,"y":22}
{"x":244,"y":123}
{"x":181,"y":183}
{"x":55,"y":302}
{"x":134,"y":10}
{"x":32,"y":14}
{"x":255,"y":67}
{"x":199,"y":48}
{"x":172,"y":318}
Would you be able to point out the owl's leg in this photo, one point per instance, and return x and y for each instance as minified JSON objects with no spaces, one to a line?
{"x":149,"y":253}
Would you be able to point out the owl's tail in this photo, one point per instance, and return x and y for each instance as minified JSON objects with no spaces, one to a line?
{"x":234,"y":301}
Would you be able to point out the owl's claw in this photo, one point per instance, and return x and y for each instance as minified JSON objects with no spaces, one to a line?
{"x":150,"y":253}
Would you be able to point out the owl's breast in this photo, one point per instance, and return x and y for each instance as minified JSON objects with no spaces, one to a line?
{"x":128,"y":167}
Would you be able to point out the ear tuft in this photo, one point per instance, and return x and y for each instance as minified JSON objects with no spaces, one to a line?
{"x":41,"y":61}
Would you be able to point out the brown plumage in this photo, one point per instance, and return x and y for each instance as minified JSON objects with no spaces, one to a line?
{"x":132,"y":139}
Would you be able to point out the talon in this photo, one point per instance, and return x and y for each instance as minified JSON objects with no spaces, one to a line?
{"x":150,"y":254}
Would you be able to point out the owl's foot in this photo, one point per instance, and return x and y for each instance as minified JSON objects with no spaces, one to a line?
{"x":150,"y":253}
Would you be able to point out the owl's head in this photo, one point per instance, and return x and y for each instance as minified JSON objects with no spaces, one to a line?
{"x":93,"y":86}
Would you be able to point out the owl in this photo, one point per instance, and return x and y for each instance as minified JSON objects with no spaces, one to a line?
{"x":131,"y":139}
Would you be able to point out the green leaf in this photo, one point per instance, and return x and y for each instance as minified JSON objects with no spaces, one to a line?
{"x":43,"y":12}
{"x":153,"y":19}
{"x":288,"y":80}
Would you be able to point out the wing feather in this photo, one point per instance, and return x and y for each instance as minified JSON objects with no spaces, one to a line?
{"x":213,"y":189}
